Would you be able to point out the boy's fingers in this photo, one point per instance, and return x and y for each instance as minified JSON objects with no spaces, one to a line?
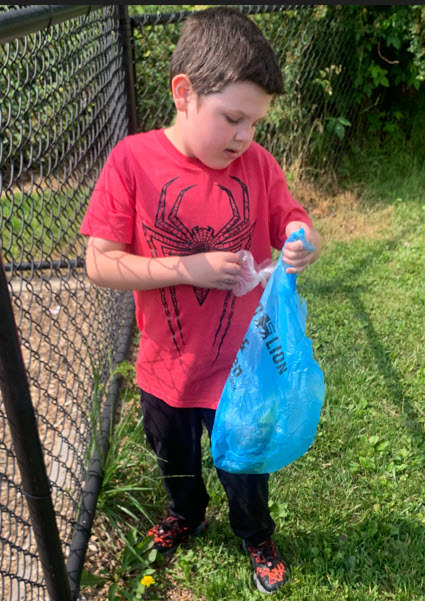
{"x":296,"y":262}
{"x":228,"y":283}
{"x":294,"y":246}
{"x":297,"y":267}
{"x":233,"y":269}
{"x":296,"y":256}
{"x":233,"y":264}
{"x":234,"y":258}
{"x":296,"y":253}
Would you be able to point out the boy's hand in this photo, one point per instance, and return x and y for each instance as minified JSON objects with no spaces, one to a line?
{"x":218,"y":270}
{"x":294,"y":254}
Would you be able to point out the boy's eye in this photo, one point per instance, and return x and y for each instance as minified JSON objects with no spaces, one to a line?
{"x":232,"y":121}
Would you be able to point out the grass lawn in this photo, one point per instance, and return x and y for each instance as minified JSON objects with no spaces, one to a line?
{"x":350,"y":514}
{"x":38,"y":223}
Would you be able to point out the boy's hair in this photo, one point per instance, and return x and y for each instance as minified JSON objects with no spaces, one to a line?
{"x":219,"y":46}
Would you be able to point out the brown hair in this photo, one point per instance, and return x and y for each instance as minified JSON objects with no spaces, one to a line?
{"x":220,"y":45}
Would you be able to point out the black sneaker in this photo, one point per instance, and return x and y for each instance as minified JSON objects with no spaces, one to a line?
{"x":171,"y":532}
{"x":270,"y":573}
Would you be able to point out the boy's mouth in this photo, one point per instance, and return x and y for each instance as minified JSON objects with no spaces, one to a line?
{"x":231,"y":153}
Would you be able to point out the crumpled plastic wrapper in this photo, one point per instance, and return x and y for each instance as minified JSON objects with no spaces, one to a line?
{"x":252,"y":274}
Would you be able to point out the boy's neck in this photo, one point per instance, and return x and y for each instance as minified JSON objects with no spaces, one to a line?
{"x":174,"y":136}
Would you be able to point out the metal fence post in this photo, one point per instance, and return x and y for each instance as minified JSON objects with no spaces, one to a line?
{"x":29,"y":454}
{"x":126,"y":35}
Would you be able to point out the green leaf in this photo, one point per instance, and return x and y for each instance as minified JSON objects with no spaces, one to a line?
{"x":372,"y":529}
{"x":383,"y":445}
{"x":384,"y":81}
{"x":379,"y":75}
{"x":89,"y":579}
{"x":367,"y":463}
{"x":402,"y":453}
{"x":339,"y":130}
{"x":111,"y":592}
{"x":152,"y":555}
{"x":145,"y":544}
{"x":394,"y":41}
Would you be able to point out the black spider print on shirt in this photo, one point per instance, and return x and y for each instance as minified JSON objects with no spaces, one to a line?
{"x":172,"y":238}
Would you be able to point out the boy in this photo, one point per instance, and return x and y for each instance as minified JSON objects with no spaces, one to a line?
{"x":170,"y":211}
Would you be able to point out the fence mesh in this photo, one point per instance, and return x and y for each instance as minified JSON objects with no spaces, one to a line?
{"x":63,"y":108}
{"x":307,"y":126}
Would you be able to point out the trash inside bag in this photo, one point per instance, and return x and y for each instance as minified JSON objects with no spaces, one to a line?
{"x":270,"y":406}
{"x":252,"y":274}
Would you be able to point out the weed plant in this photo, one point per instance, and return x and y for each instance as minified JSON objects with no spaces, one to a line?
{"x":129,"y":492}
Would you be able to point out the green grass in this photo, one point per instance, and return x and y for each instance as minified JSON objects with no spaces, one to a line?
{"x":41,"y":222}
{"x":350,"y":514}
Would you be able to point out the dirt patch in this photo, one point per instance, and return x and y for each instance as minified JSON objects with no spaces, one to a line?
{"x":54,"y":335}
{"x":64,"y":333}
{"x":180,"y":594}
{"x":342,"y":215}
{"x":104,"y":550}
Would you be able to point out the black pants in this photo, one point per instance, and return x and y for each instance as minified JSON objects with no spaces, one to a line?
{"x":175,"y":437}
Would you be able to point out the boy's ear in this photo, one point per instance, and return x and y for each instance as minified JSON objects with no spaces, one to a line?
{"x":182,"y":90}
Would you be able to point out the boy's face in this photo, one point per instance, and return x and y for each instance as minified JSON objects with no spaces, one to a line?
{"x":217,"y":128}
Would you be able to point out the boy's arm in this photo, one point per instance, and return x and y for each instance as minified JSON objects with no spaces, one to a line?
{"x":109,"y":265}
{"x":294,"y":254}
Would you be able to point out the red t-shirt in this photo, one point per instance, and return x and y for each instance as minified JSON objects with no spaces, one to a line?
{"x":160,"y":203}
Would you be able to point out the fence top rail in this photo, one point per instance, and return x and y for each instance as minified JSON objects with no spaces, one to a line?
{"x":164,"y":18}
{"x":15,"y":24}
{"x":173,"y":17}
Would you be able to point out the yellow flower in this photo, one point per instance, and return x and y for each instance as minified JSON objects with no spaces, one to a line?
{"x":147,"y":580}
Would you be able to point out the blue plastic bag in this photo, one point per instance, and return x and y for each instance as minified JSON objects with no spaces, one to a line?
{"x":270,"y":405}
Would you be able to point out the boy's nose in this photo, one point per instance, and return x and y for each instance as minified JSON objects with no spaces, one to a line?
{"x":244,"y":134}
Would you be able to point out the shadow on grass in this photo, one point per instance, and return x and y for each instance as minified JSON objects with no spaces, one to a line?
{"x":345,"y":284}
{"x":384,"y":553}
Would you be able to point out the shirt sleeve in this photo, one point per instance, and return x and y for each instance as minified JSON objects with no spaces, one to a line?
{"x":283,"y":207}
{"x":111,"y":211}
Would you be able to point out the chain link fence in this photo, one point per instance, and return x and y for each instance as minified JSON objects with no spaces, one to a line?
{"x":64,"y":94}
{"x":62,"y":109}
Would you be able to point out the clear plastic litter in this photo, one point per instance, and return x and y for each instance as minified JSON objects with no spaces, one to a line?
{"x":252,"y":274}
